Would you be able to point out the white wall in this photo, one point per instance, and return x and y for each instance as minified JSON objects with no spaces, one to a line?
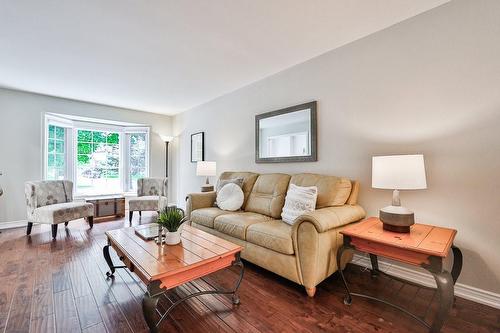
{"x":428,"y":85}
{"x":21,"y":128}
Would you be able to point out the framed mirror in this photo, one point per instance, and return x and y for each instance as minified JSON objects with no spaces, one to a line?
{"x":287,"y":135}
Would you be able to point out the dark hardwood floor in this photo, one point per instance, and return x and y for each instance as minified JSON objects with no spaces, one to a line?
{"x":49,"y":286}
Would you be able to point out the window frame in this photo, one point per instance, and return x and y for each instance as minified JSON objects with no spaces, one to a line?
{"x":126,"y":134}
{"x":71,"y":149}
{"x":55,"y":121}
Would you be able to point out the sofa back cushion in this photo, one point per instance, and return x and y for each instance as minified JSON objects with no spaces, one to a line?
{"x":332,"y":191}
{"x":268,"y":194}
{"x":249,"y":179}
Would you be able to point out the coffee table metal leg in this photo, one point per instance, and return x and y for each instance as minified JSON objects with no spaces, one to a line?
{"x":238,"y":262}
{"x":107,"y":257}
{"x":150,"y":303}
{"x":348,"y":298}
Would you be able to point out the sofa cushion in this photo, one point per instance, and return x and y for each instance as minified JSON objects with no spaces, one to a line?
{"x":236,"y":224}
{"x":332,"y":191}
{"x":62,"y":212}
{"x":206,"y":216}
{"x":275,"y":235}
{"x":230,"y":197}
{"x":268,"y":194}
{"x":299,"y":199}
{"x":147,"y":203}
{"x":249,"y":179}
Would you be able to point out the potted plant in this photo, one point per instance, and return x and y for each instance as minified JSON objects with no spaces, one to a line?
{"x":171,"y":219}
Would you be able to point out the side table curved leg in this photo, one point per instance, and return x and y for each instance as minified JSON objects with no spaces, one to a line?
{"x":457,"y":263}
{"x":445,"y":288}
{"x":340,"y":252}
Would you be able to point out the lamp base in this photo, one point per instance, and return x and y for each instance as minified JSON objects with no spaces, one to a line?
{"x":394,"y":228}
{"x":207,"y":188}
{"x":397,"y":218}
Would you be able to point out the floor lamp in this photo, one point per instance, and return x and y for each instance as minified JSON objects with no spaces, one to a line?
{"x":167,"y":139}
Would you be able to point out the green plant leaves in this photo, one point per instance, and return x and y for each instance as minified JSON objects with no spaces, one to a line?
{"x":171,"y":218}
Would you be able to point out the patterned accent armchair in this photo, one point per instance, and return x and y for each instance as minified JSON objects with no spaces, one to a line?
{"x":51,"y":202}
{"x":151,"y":196}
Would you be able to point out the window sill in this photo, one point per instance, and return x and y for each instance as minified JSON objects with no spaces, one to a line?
{"x":85,"y":196}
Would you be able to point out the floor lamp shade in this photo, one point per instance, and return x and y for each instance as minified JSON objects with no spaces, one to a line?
{"x":398,"y":172}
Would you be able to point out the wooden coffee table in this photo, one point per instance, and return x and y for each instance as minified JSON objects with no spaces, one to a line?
{"x":166,"y":267}
{"x":425,"y":245}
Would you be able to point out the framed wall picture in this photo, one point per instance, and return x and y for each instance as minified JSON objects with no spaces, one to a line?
{"x":198,"y":147}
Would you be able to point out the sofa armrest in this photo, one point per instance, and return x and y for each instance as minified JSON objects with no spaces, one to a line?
{"x":328,"y":218}
{"x":199,"y":200}
{"x":316,"y":239}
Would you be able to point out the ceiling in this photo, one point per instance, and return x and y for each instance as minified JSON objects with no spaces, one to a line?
{"x":169,"y":56}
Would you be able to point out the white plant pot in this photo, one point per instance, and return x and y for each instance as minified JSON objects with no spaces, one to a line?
{"x":173,"y":238}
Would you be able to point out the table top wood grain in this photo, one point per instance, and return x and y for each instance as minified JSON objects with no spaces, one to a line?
{"x":422,"y":238}
{"x":197,"y":249}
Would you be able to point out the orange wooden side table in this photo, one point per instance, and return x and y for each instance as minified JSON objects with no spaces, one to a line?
{"x":425,"y":245}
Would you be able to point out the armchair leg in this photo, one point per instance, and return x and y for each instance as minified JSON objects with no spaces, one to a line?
{"x":140,"y":213}
{"x":311,"y":291}
{"x":65,"y":224}
{"x":90,"y":220}
{"x":130,"y":214}
{"x":28,"y":229}
{"x":54,"y":230}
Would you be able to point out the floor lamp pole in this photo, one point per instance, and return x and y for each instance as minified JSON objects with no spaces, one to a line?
{"x":166,"y":159}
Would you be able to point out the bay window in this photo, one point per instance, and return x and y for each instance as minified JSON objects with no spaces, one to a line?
{"x":99,"y":158}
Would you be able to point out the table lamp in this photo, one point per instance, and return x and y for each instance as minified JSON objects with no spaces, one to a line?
{"x":208,"y":169}
{"x":398,"y":172}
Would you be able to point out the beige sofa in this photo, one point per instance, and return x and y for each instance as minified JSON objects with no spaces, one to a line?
{"x":305,"y":252}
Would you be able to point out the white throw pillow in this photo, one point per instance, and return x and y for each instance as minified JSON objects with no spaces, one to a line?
{"x":298,"y":201}
{"x":230,"y":197}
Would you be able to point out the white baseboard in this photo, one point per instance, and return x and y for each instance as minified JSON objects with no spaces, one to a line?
{"x":471,"y":293}
{"x":13,"y":224}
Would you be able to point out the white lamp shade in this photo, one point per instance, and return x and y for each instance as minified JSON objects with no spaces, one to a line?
{"x":166,"y":138}
{"x":205,"y":168}
{"x":399,"y":172}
